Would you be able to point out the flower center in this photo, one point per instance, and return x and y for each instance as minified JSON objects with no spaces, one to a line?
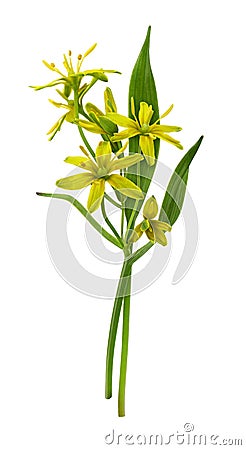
{"x":102,"y":172}
{"x":145,"y":128}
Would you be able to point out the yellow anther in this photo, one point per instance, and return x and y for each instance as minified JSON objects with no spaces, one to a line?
{"x":84,"y":151}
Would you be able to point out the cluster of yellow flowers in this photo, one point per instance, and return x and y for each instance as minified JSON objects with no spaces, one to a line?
{"x":109,"y":155}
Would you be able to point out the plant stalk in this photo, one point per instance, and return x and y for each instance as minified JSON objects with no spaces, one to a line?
{"x":124,"y":350}
{"x":121,"y":292}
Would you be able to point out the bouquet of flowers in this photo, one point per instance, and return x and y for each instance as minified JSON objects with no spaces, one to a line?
{"x":125,"y":159}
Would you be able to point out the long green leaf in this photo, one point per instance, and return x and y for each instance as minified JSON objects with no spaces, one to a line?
{"x":175,"y":193}
{"x":86,"y":214}
{"x":142,"y":88}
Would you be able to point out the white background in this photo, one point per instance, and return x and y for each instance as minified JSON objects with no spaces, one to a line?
{"x":187,"y":342}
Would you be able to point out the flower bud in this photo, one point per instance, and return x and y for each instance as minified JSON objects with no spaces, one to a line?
{"x":110,"y":105}
{"x":150,"y":208}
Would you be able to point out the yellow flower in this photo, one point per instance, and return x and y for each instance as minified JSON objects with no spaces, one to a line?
{"x":154,"y":229}
{"x":141,"y":126}
{"x":74,"y":73}
{"x":100,"y":171}
{"x":68,"y":116}
{"x":99,"y":118}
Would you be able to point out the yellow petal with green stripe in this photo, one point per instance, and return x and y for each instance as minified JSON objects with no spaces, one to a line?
{"x":92,"y":127}
{"x":122,"y":121}
{"x":159,"y":225}
{"x":147,"y":146}
{"x":123,"y":163}
{"x":145,"y":113}
{"x":96,"y":195}
{"x":103,"y":155}
{"x":76,"y":182}
{"x":76,"y":160}
{"x":125,"y":186}
{"x":125,"y":134}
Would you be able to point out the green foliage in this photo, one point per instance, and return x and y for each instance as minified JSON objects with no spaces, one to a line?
{"x":175,"y":193}
{"x":142,"y":88}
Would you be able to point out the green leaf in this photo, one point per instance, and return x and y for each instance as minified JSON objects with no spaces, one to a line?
{"x":175,"y":193}
{"x":86,"y":214}
{"x":142,"y":88}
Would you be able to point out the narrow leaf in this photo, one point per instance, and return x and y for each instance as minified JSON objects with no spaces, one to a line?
{"x":142,"y":88}
{"x":85,"y":213}
{"x":175,"y":193}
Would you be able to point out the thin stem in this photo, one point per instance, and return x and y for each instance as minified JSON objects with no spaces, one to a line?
{"x":76,"y":117}
{"x":86,"y":214}
{"x":140,"y":252}
{"x":122,"y":222}
{"x":82,"y":134}
{"x":108,"y":222}
{"x":111,"y":200}
{"x":132,"y":218}
{"x":125,"y":272}
{"x":124,"y":350}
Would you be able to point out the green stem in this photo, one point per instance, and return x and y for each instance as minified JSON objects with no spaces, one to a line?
{"x":76,"y":116}
{"x":124,"y":350}
{"x":125,"y":272}
{"x":82,"y":134}
{"x":122,"y":222}
{"x":111,"y":200}
{"x":140,"y":252}
{"x":86,"y":214}
{"x":108,"y":222}
{"x":132,"y":219}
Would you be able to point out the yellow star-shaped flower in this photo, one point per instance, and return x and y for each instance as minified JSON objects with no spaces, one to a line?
{"x":100,"y":171}
{"x":74,"y":73}
{"x":141,"y":126}
{"x":154,"y":229}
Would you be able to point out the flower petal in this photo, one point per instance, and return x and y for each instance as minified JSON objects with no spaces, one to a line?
{"x":82,"y":162}
{"x":164,"y":128}
{"x":136,"y":234}
{"x":159,"y":229}
{"x":150,"y":234}
{"x":147,"y":146}
{"x":167,"y":111}
{"x":145,"y":113}
{"x":103,"y":155}
{"x":123,"y":163}
{"x":122,"y":120}
{"x":76,"y":160}
{"x":90,"y":108}
{"x":59,"y":105}
{"x":96,"y":195}
{"x":75,"y":182}
{"x":91,"y":127}
{"x":167,"y":138}
{"x":150,"y":208}
{"x":89,"y":50}
{"x":109,"y":101}
{"x":125,"y":186}
{"x":125,"y":134}
{"x":158,"y":225}
{"x":160,"y":237}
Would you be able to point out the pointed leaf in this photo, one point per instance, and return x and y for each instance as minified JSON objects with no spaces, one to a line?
{"x":142,"y":88}
{"x":175,"y":193}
